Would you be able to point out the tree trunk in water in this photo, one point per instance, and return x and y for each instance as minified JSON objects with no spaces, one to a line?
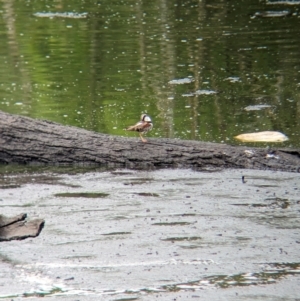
{"x":28,"y":141}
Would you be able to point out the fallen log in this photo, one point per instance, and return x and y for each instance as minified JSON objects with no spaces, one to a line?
{"x":17,"y":228}
{"x":28,"y":141}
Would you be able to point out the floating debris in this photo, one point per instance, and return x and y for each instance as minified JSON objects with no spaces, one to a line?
{"x":296,"y":2}
{"x":116,"y":233}
{"x":272,"y":14}
{"x":172,"y":224}
{"x":233,"y":79}
{"x":266,"y":136}
{"x":205,"y":92}
{"x":278,"y":203}
{"x":243,"y":180}
{"x":147,"y":194}
{"x":257,"y":107}
{"x":271,"y":203}
{"x":262,"y":47}
{"x":244,"y":49}
{"x":199,"y":92}
{"x":181,"y":81}
{"x":185,"y":238}
{"x":92,"y":195}
{"x":188,"y":95}
{"x":61,"y":15}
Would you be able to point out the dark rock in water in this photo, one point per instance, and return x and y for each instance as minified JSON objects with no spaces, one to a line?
{"x":17,"y":228}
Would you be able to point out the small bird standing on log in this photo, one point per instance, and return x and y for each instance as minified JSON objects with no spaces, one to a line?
{"x":143,"y":126}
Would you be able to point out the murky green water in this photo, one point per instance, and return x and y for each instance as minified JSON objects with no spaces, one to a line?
{"x":99,"y":64}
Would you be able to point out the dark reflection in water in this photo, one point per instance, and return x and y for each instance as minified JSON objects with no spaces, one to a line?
{"x":193,"y":66}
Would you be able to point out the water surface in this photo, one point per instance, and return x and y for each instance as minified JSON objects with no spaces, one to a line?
{"x":194,"y":66}
{"x":153,"y":235}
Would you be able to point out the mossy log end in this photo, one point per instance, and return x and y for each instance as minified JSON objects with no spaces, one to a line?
{"x":28,"y":141}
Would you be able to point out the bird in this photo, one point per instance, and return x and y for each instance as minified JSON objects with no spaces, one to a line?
{"x":143,"y":126}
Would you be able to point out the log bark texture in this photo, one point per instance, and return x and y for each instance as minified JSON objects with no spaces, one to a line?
{"x":29,"y":141}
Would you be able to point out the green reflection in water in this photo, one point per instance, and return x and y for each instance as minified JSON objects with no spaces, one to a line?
{"x":102,"y":71}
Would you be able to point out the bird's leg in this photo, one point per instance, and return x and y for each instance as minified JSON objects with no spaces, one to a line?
{"x":143,"y":139}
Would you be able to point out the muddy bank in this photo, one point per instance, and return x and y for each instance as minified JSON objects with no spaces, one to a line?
{"x":144,"y":235}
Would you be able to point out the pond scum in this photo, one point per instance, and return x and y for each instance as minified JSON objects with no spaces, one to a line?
{"x":271,"y":273}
